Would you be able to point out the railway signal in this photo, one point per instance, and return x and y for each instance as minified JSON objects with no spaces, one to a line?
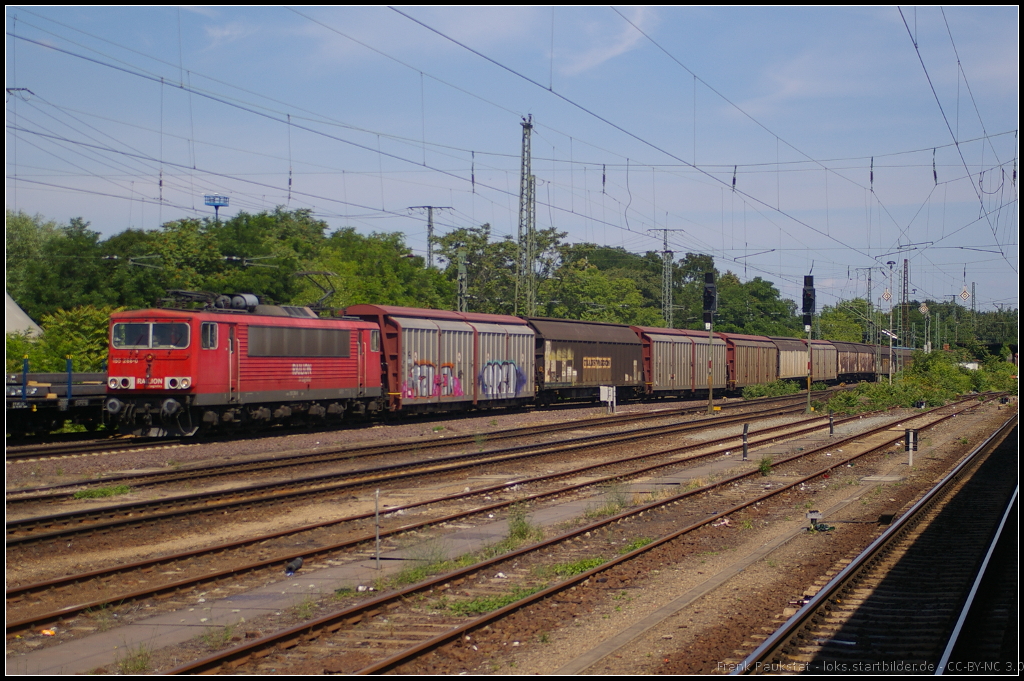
{"x":808,"y":300}
{"x":710,"y":307}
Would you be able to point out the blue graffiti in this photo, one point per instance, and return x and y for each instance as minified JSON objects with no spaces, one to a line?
{"x":501,"y":379}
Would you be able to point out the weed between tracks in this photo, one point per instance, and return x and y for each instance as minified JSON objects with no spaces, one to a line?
{"x":134,"y":660}
{"x":520,"y":531}
{"x":616,"y":499}
{"x":485,"y":604}
{"x":102,"y":492}
{"x":568,"y":569}
{"x":306,"y":608}
{"x":216,"y":638}
{"x":432,"y":558}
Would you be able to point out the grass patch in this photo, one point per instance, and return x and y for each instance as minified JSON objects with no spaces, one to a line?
{"x":616,"y":499}
{"x":306,"y":608}
{"x":134,"y":660}
{"x":102,"y":492}
{"x":635,"y":544}
{"x":765,"y":466}
{"x":578,"y":567}
{"x":485,"y":604}
{"x":216,"y":638}
{"x":418,"y":573}
{"x":341,"y":593}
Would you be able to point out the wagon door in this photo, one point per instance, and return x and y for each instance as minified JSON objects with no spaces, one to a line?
{"x":234,"y":365}
{"x":212,"y":365}
{"x":360,"y":364}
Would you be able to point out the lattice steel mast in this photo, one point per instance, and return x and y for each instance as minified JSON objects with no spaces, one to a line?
{"x":526,"y":280}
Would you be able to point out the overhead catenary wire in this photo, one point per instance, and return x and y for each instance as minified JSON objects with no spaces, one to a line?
{"x":639,"y":211}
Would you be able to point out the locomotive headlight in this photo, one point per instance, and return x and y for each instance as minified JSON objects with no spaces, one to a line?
{"x":178,"y":382}
{"x":185,"y":383}
{"x":112,"y":382}
{"x":121,"y":382}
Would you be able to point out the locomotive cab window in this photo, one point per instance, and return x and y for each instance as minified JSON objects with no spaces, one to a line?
{"x":209,"y":335}
{"x":375,"y":341}
{"x":150,"y":335}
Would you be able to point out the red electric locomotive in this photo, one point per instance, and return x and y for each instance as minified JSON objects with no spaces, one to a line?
{"x":235,"y":362}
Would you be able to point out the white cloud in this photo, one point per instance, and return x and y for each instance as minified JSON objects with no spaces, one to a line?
{"x":604,"y":47}
{"x":228,"y":33}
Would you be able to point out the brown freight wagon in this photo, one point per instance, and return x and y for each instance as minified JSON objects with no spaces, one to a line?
{"x":856,"y":361}
{"x":752,"y":360}
{"x":575,"y":358}
{"x":824,"y":361}
{"x":792,"y":357}
{"x":675,"y":361}
{"x":900,"y":359}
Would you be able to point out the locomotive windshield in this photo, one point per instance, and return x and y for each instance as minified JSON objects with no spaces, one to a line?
{"x":147,"y":335}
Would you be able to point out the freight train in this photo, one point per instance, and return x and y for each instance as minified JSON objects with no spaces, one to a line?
{"x":238,"y":363}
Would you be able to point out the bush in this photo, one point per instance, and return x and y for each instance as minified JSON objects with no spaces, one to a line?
{"x":773,"y":389}
{"x":80,"y":332}
{"x":935,"y":379}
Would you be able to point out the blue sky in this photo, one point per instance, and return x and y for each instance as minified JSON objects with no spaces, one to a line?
{"x":829,"y":119}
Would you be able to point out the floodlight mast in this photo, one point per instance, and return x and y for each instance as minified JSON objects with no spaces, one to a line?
{"x":216,"y":200}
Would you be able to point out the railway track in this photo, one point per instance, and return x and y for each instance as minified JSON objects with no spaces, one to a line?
{"x":389,"y":632}
{"x":62,"y":526}
{"x":322,"y":455}
{"x":85,"y":448}
{"x":119,"y":444}
{"x":75,"y":585}
{"x":895,"y":607}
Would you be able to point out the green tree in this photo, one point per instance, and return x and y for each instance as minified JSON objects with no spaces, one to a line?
{"x":376,"y":269}
{"x":844,"y":321}
{"x":688,"y":284}
{"x":490,"y":268}
{"x":580,"y":290}
{"x":67,"y":271}
{"x":754,"y":307}
{"x":25,"y":239}
{"x":262,"y":252}
{"x":189,"y":257}
{"x":135,"y":277}
{"x":79,"y":333}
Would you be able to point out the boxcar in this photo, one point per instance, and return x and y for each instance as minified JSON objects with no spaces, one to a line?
{"x":172,"y":370}
{"x":575,"y":358}
{"x":675,"y":361}
{"x":441,"y":360}
{"x":792,"y":357}
{"x":856,"y":361}
{"x":824,"y":361}
{"x":752,"y":360}
{"x":899,"y":360}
